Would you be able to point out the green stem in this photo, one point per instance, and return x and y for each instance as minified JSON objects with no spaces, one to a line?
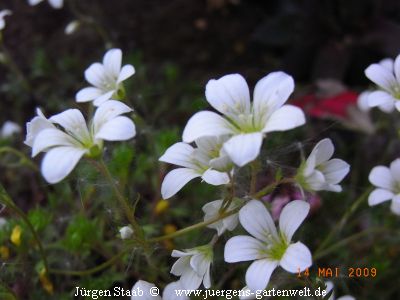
{"x":193,"y":227}
{"x":352,"y":238}
{"x":23,"y":158}
{"x":6,"y":199}
{"x":254,"y":171}
{"x":90,"y":271}
{"x":344,"y":219}
{"x":270,"y":187}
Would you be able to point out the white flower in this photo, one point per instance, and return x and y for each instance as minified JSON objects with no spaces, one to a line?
{"x":72,"y":27}
{"x":126,"y":232}
{"x":56,"y":4}
{"x":245,"y":122}
{"x":329,"y":287}
{"x":9,"y":129}
{"x":35,"y":126}
{"x":363,"y":103}
{"x":212,"y":210}
{"x":3,"y":13}
{"x":106,"y":79}
{"x":320,"y":172}
{"x":387,"y":181}
{"x":386,"y":74}
{"x":193,"y":267}
{"x":268,"y":248}
{"x":207,"y":161}
{"x":65,"y":148}
{"x":144,"y":290}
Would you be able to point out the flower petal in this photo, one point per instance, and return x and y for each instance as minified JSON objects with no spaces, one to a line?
{"x":316,"y":181}
{"x":112,"y":62}
{"x":395,"y":169}
{"x":95,"y":75}
{"x":73,"y":122}
{"x":259,"y":273}
{"x":381,"y":76}
{"x":378,"y":98}
{"x":395,"y":205}
{"x":381,"y":176}
{"x":244,"y":148}
{"x":242,"y":248}
{"x":323,"y":151}
{"x":179,"y":154}
{"x":190,"y":280}
{"x":199,"y":264}
{"x":48,"y":138}
{"x":172,"y":290}
{"x":126,"y":72}
{"x":215,"y":177}
{"x":378,"y":196}
{"x":34,"y":127}
{"x":56,"y":4}
{"x":335,"y":170}
{"x":59,"y":162}
{"x":118,"y":129}
{"x":229,"y":94}
{"x":285,"y":118}
{"x":108,"y":111}
{"x":292,"y":215}
{"x":144,"y":287}
{"x":257,"y":221}
{"x":175,"y":180}
{"x":88,"y":94}
{"x":205,"y":123}
{"x":271,"y":92}
{"x":180,"y":265}
{"x":297,"y":258}
{"x":103,"y":98}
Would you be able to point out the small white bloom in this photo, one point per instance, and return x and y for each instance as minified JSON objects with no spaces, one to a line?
{"x":126,"y":232}
{"x":211,"y":211}
{"x":3,"y":222}
{"x":386,"y":75}
{"x":144,"y":290}
{"x":329,"y":287}
{"x":106,"y":79}
{"x":387,"y":181}
{"x":193,"y":267}
{"x":320,"y":172}
{"x":72,"y":27}
{"x":268,"y":248}
{"x":65,"y":148}
{"x":207,"y":161}
{"x":3,"y":13}
{"x":9,"y":129}
{"x":56,"y":4}
{"x":245,"y":122}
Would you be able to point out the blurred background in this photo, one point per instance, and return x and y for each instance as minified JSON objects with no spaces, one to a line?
{"x":176,"y":46}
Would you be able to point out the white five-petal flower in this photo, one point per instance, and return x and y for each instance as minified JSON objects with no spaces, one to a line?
{"x":244,"y":121}
{"x":320,"y":172}
{"x":56,"y":4}
{"x":268,"y":247}
{"x":387,"y":181}
{"x":207,"y":161}
{"x":386,"y":75}
{"x":212,"y":210}
{"x":143,"y":290}
{"x":3,"y":13}
{"x":193,"y":267}
{"x":65,"y":148}
{"x":106,"y":79}
{"x":9,"y":128}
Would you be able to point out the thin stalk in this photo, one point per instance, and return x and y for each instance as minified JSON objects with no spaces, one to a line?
{"x":344,"y":219}
{"x":254,"y":171}
{"x":193,"y":227}
{"x":90,"y":271}
{"x":121,"y":198}
{"x":6,"y":199}
{"x":270,"y":187}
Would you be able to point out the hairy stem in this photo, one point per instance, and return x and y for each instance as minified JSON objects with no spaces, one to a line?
{"x":23,"y":158}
